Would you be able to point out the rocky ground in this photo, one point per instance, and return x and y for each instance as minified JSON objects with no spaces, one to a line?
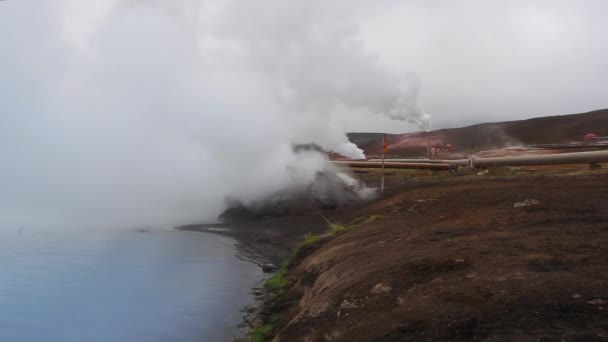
{"x":499,"y":256}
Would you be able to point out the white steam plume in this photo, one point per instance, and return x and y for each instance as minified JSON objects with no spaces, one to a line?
{"x":134,"y":112}
{"x":316,"y":64}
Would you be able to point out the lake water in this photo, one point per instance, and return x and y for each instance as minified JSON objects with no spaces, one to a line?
{"x":121,"y":286}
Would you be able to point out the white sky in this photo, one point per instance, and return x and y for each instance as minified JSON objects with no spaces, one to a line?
{"x":482,"y":60}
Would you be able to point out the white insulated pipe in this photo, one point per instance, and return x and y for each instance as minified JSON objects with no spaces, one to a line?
{"x":545,"y":159}
{"x":459,"y":162}
{"x":393,"y":165}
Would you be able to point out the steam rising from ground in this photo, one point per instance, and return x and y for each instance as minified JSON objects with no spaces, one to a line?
{"x":140,"y":112}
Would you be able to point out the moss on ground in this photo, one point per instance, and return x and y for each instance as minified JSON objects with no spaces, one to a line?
{"x":279,"y":281}
{"x":259,"y":334}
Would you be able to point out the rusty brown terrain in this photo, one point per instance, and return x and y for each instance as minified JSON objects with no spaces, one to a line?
{"x":454,"y":260}
{"x":489,"y":136}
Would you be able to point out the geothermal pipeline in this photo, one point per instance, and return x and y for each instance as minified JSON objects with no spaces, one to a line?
{"x":459,"y":162}
{"x":432,"y":164}
{"x":547,"y":159}
{"x":395,"y":165}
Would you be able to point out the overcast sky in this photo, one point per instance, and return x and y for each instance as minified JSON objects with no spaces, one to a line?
{"x":482,"y":60}
{"x":135,"y":111}
{"x":477,"y":60}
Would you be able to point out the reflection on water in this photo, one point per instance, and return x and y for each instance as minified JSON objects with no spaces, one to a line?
{"x":121,"y":286}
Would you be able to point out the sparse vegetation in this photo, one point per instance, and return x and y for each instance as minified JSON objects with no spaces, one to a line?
{"x":308,"y":240}
{"x":258,"y":334}
{"x":286,"y":263}
{"x":365,"y":220}
{"x":359,"y":220}
{"x":337,"y":228}
{"x":279,"y":281}
{"x":502,"y":171}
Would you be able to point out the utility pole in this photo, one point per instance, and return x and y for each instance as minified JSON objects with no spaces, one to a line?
{"x":384,"y":149}
{"x":428,"y":145}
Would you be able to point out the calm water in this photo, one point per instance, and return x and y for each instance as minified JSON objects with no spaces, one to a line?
{"x":121,"y":286}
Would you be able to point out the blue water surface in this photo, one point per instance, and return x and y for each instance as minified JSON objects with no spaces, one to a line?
{"x":121,"y":286}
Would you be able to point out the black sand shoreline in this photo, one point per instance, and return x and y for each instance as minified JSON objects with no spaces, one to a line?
{"x":265,"y":241}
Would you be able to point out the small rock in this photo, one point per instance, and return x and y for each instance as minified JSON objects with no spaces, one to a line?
{"x":381,"y":289}
{"x":529,"y":202}
{"x":576,"y":296}
{"x":597,"y":301}
{"x":268,"y":267}
{"x":347,"y":304}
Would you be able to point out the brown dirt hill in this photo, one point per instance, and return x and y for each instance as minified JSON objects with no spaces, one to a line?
{"x":459,"y":262}
{"x":543,"y":130}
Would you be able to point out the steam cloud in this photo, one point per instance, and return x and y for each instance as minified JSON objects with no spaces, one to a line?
{"x":136,"y":112}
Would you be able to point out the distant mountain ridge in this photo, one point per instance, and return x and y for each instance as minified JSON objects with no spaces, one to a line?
{"x":541,"y":130}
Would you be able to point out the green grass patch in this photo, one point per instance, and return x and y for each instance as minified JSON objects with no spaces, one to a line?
{"x":285,"y":265}
{"x":278,"y":282}
{"x":358,"y":220}
{"x":308,"y":240}
{"x":366,"y":220}
{"x":258,"y":334}
{"x":337,"y":228}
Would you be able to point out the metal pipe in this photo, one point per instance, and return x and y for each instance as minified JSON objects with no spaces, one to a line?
{"x":546,"y":159}
{"x":593,"y":145}
{"x":459,"y":162}
{"x":393,"y":165}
